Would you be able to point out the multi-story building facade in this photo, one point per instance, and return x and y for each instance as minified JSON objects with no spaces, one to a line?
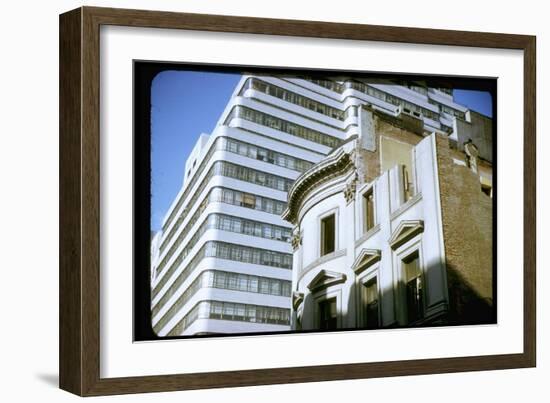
{"x":393,"y":229}
{"x":222,"y":262}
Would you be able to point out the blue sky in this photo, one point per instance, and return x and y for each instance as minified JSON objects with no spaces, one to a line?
{"x":185,"y":104}
{"x":479,"y":101}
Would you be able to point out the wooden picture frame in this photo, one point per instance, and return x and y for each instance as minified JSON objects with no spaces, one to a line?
{"x":79,"y":201}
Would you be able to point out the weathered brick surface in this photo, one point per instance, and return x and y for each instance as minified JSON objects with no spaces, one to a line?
{"x":467,"y":217}
{"x":371,"y":159}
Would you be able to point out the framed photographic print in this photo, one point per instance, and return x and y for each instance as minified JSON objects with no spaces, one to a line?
{"x":237,"y":208}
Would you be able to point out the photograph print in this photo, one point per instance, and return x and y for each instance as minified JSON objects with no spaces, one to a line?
{"x":276,"y":201}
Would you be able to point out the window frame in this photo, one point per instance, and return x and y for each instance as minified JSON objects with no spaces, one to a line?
{"x":320,"y":234}
{"x":371,"y":188}
{"x":373,"y":272}
{"x":413,"y":246}
{"x":324,"y":295}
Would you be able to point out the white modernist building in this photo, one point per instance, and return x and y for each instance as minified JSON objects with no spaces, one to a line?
{"x":222,"y":262}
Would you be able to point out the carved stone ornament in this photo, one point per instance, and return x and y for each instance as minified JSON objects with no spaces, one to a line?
{"x":472,"y":153}
{"x":349,"y":191}
{"x":296,"y":240}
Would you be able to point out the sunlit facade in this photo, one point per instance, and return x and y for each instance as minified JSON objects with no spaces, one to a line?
{"x":222,"y":262}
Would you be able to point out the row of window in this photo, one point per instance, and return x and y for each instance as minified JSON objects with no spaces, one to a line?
{"x":247,"y":254}
{"x":416,"y":88}
{"x":230,"y":170}
{"x":248,"y":200}
{"x":242,"y":148}
{"x":227,"y":281}
{"x":326,"y":83}
{"x":234,"y":312}
{"x":328,"y":223}
{"x":263,"y":154}
{"x":261,"y":118}
{"x":228,"y":196}
{"x":229,"y":251}
{"x":327,"y":318}
{"x":186,"y":193}
{"x":450,"y":111}
{"x":293,"y":98}
{"x":246,"y":174}
{"x":225,"y":223}
{"x":384,"y":96}
{"x":180,"y":278}
{"x":248,"y":227}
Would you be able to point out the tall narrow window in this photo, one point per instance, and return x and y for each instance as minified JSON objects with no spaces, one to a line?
{"x":328,"y":234}
{"x":413,"y":284}
{"x":370,"y":291}
{"x":328,"y":318}
{"x":368,"y":198}
{"x":407,"y":183}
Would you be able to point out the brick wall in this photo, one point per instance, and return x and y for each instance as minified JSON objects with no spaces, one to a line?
{"x":467,"y":231}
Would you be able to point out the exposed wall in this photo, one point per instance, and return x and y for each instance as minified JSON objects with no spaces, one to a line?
{"x":467,"y":231}
{"x":369,"y":162}
{"x":480,"y":131}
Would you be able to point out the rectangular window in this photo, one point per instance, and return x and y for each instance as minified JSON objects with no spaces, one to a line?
{"x":328,"y":314}
{"x":407,"y":184}
{"x":249,"y":201}
{"x":328,"y":234}
{"x":216,"y":309}
{"x":371,"y":319}
{"x":264,"y":286}
{"x":228,"y":310}
{"x":251,"y":313}
{"x":219,"y":280}
{"x":286,"y":288}
{"x":240,"y":312}
{"x":253,"y":284}
{"x":232,"y":283}
{"x":275,"y":287}
{"x":413,"y":285}
{"x":228,"y":196}
{"x":238,"y":199}
{"x":243,"y":282}
{"x":368,"y":198}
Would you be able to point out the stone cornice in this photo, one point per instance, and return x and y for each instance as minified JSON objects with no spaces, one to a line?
{"x":325,"y":279}
{"x":366,"y":258}
{"x":405,"y":231}
{"x":336,"y":164}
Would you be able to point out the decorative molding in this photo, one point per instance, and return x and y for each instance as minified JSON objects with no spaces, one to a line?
{"x":365,"y":259}
{"x":334,"y":165}
{"x":297,"y":299}
{"x":367,"y":235}
{"x":325,"y":279}
{"x":405,"y":206}
{"x":350,"y":190}
{"x":321,"y":260}
{"x":405,"y":231}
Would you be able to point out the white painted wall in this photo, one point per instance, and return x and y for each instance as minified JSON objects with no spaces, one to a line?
{"x":29,"y":155}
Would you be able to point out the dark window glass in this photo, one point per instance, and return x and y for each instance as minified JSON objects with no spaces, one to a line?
{"x":371,"y":304}
{"x":328,"y":235}
{"x":369,"y":210}
{"x":328,"y":314}
{"x":413,"y":284}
